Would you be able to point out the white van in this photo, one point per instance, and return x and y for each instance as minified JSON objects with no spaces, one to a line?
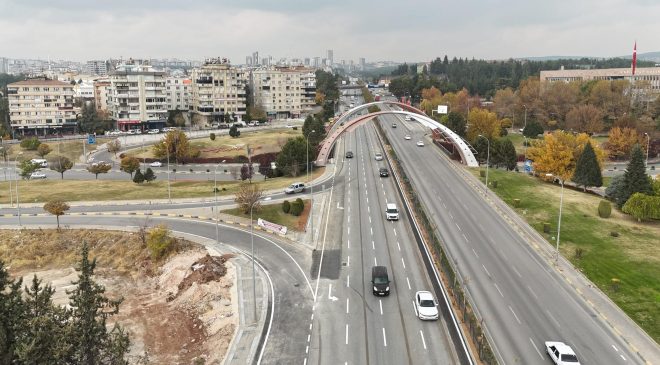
{"x":295,"y":188}
{"x":391,"y":213}
{"x":40,"y":161}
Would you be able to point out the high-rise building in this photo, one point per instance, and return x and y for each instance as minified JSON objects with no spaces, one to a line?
{"x":4,"y":65}
{"x":178,"y":91}
{"x":330,"y":57}
{"x":218,"y":91}
{"x":96,"y":67}
{"x":102,"y":95}
{"x":362,"y":63}
{"x":255,"y":58}
{"x":284,"y":92}
{"x":41,"y":106}
{"x":137,"y":98}
{"x":248,"y":60}
{"x":317,"y":62}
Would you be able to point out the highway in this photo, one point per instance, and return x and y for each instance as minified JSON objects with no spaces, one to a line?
{"x":521,"y":298}
{"x":351,"y":325}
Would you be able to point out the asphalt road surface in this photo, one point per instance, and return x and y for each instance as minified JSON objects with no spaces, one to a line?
{"x":521,"y":298}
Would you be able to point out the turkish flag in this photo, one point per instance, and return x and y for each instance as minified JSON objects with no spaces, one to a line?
{"x":634,"y":60}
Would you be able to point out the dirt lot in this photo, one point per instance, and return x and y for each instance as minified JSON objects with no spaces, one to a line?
{"x":176,"y":311}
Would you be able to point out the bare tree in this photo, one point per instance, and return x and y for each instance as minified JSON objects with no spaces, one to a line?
{"x":114,"y":146}
{"x":247,"y":196}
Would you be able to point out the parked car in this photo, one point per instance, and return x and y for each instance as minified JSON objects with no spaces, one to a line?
{"x":560,"y":353}
{"x":295,"y":188}
{"x":156,"y":164}
{"x":37,"y":175}
{"x":426,"y":308}
{"x":153,"y":131}
{"x":349,"y":154}
{"x":378,"y":156}
{"x":420,"y":143}
{"x":383,"y":172}
{"x":407,"y":137}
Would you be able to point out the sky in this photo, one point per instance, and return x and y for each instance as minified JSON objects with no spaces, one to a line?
{"x":411,"y":30}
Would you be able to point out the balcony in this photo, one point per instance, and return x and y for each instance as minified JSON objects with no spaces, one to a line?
{"x":204,"y":81}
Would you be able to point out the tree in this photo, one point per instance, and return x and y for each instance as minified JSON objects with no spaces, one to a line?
{"x":532,"y":129}
{"x":508,"y":154}
{"x":160,"y":242}
{"x":43,"y":150}
{"x":613,"y":191}
{"x":212,"y":136}
{"x":292,"y":156}
{"x":129,"y":164}
{"x":635,"y":178}
{"x":248,"y":196}
{"x":481,"y":121}
{"x":90,"y":309}
{"x":587,"y":170}
{"x":247,"y":170}
{"x":176,"y":144}
{"x":620,"y":142}
{"x":30,"y":144}
{"x":456,"y":122}
{"x":60,"y":164}
{"x":138,"y":178}
{"x":505,"y":101}
{"x":12,"y":313}
{"x":27,"y":167}
{"x":57,"y":208}
{"x":99,"y":168}
{"x":585,"y":118}
{"x":642,"y":206}
{"x":234,"y":132}
{"x":149,"y":175}
{"x":114,"y":146}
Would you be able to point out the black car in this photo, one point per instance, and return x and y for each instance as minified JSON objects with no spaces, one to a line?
{"x":383,"y":172}
{"x":349,"y":154}
{"x":393,"y":125}
{"x":380,"y":280}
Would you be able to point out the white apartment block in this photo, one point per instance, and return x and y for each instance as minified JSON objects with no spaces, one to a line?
{"x":96,"y":67}
{"x":137,"y":97}
{"x":284,"y":92}
{"x":102,"y":95}
{"x":650,"y":75}
{"x":84,"y":90}
{"x":218,"y":91}
{"x":41,"y":107}
{"x":178,"y":90}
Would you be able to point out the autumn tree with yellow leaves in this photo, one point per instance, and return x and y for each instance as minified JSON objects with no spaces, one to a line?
{"x":482,"y":122}
{"x":621,"y":141}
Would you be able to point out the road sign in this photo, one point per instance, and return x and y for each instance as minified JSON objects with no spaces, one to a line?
{"x":442,"y":109}
{"x":91,"y":139}
{"x":528,"y":166}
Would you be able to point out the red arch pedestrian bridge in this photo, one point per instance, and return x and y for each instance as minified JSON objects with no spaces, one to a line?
{"x":344,"y":124}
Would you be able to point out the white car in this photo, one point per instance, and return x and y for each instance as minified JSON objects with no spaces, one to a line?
{"x":407,"y":137}
{"x":295,"y":188}
{"x":379,"y":156}
{"x":156,"y":164}
{"x":561,"y":353}
{"x":153,"y":131}
{"x":420,"y":143}
{"x":426,"y":308}
{"x":37,"y":175}
{"x":409,"y":118}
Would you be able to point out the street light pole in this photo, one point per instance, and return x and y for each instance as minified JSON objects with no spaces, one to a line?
{"x":169,"y":192}
{"x":311,"y":188}
{"x":525,"y":106}
{"x":487,"y":157}
{"x":648,"y":143}
{"x":254,"y":277}
{"x":18,"y":204}
{"x":215,"y":195}
{"x":561,"y":203}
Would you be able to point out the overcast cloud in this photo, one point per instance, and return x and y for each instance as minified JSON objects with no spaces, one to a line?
{"x":413,"y":30}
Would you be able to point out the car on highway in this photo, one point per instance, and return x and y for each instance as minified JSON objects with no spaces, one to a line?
{"x":560,"y":353}
{"x":426,"y":308}
{"x":349,"y":154}
{"x":378,"y":156}
{"x":420,"y":143}
{"x":407,"y":137}
{"x":156,"y":164}
{"x":393,"y":125}
{"x":391,"y":213}
{"x":409,"y":118}
{"x":37,"y":175}
{"x":380,"y":280}
{"x":383,"y":172}
{"x":295,"y":188}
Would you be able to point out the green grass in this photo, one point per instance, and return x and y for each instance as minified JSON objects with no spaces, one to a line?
{"x":273,"y":213}
{"x":633,"y":257}
{"x":70,"y":149}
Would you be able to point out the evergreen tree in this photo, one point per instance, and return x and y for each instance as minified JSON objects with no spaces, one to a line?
{"x":234,"y":132}
{"x":149,"y":175}
{"x":90,"y":308}
{"x":532,"y":129}
{"x":456,"y":122}
{"x":508,"y":154}
{"x":587,"y":170}
{"x":138,"y":178}
{"x":635,"y":178}
{"x":12,"y":312}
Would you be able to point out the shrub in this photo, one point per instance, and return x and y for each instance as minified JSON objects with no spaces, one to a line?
{"x":300,"y":201}
{"x":546,"y":227}
{"x":614,"y":234}
{"x":494,"y":183}
{"x":578,"y":253}
{"x":482,"y":173}
{"x":643,"y":207}
{"x":212,"y":136}
{"x":286,"y":206}
{"x":297,"y":207}
{"x":516,"y":203}
{"x":604,"y":209}
{"x":159,"y":242}
{"x":30,"y":144}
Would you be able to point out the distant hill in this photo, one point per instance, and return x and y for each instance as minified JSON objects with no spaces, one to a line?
{"x":646,"y":56}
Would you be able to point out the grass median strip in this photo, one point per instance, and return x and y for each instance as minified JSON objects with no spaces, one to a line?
{"x":274,"y":214}
{"x":620,"y":255}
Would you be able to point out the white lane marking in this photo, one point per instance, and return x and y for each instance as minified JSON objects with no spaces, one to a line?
{"x":423,"y":340}
{"x":309,"y":337}
{"x":408,"y":281}
{"x":347,"y":305}
{"x":514,"y":314}
{"x":459,"y":227}
{"x":498,"y":289}
{"x":403,"y":262}
{"x":536,"y":348}
{"x":624,"y":359}
{"x":486,"y":270}
{"x":531,"y":290}
{"x":348,"y":281}
{"x":330,"y":296}
{"x":516,"y":271}
{"x":369,"y":219}
{"x":553,"y":318}
{"x":375,"y":262}
{"x":398,"y":245}
{"x":348,"y":243}
{"x":466,"y":240}
{"x":445,"y":206}
{"x":369,"y":210}
{"x":373,"y":245}
{"x":348,"y":261}
{"x":615,"y":349}
{"x":394,"y":231}
{"x":305,"y":362}
{"x":371,"y":230}
{"x":384,"y":338}
{"x":349,"y":230}
{"x":475,"y":252}
{"x":380,"y":302}
{"x":310,"y":326}
{"x":347,"y":333}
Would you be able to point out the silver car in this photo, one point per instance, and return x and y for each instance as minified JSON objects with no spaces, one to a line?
{"x":379,"y":156}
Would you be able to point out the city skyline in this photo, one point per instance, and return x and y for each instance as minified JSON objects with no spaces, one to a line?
{"x":80,"y":31}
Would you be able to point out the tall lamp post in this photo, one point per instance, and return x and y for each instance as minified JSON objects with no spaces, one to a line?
{"x":561,"y":203}
{"x":311,"y":188}
{"x":254,"y":278}
{"x":648,"y":143}
{"x":487,"y":157}
{"x":525,"y":106}
{"x":18,"y":204}
{"x":169,"y":192}
{"x":215,"y":195}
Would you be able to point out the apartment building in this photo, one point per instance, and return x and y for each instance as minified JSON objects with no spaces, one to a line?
{"x":284,"y":92}
{"x":96,"y":67}
{"x":137,"y":96}
{"x":102,"y":95}
{"x":42,"y":107}
{"x":650,"y":75}
{"x":178,"y":91}
{"x":218,"y":91}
